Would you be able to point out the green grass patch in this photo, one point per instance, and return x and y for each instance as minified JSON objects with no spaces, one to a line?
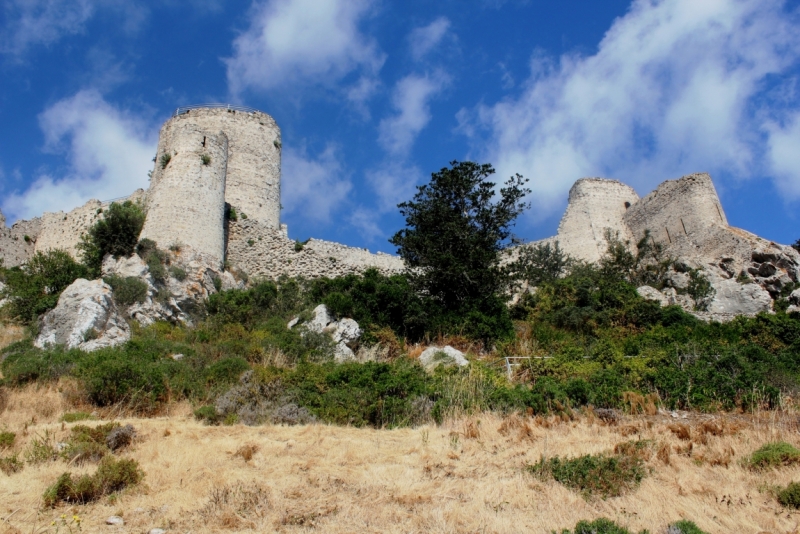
{"x":599,"y":475}
{"x":74,"y":417}
{"x":773,"y":455}
{"x":684,"y":527}
{"x":599,"y":526}
{"x":790,"y":495}
{"x":112,"y":475}
{"x":11,"y":464}
{"x":7,"y":439}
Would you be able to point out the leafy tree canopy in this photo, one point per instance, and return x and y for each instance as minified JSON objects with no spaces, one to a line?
{"x":116,"y":233}
{"x":456,"y":225}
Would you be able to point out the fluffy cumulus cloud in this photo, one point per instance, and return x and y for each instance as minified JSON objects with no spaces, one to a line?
{"x":424,"y":39}
{"x":108,"y":152}
{"x":411,"y":102}
{"x":313,"y":186}
{"x":294,"y":42}
{"x":676,"y":86}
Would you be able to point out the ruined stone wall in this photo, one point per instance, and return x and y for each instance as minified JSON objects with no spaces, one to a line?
{"x":64,"y":230}
{"x":686,"y":216}
{"x":186,"y":201}
{"x":594,"y":205}
{"x":254,"y":158}
{"x":18,"y":243}
{"x":260,"y":250}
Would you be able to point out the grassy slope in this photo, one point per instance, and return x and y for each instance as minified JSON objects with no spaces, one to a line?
{"x":464,"y":476}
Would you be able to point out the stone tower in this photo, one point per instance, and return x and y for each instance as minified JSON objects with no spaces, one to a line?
{"x":186,"y":200}
{"x":253,"y":180}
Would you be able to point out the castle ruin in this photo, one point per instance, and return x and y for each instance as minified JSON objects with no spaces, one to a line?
{"x":214,"y":160}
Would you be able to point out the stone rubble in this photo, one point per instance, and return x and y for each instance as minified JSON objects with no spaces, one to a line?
{"x":344,"y":332}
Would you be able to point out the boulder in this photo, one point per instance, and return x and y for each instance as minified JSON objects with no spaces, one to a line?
{"x":343,"y":332}
{"x":732,"y":298}
{"x":794,"y":298}
{"x":85,"y":318}
{"x":433,"y":357}
{"x":677,"y":280}
{"x":125,"y":267}
{"x":651,"y":293}
{"x":322,"y":318}
{"x":346,"y":331}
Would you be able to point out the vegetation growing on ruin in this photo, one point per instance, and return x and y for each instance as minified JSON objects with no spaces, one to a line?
{"x":117,"y":233}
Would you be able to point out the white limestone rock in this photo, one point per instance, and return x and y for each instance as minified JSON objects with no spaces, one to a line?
{"x":342,"y":353}
{"x":85,"y":318}
{"x":732,"y":299}
{"x":3,"y":300}
{"x":794,"y":298}
{"x":346,"y":331}
{"x":651,"y":293}
{"x":433,"y":357}
{"x":125,"y":267}
{"x":322,"y":318}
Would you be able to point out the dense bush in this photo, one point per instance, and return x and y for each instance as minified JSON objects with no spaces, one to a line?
{"x":790,"y":495}
{"x":684,"y":527}
{"x":34,"y":288}
{"x":775,"y":454}
{"x":599,"y":526}
{"x":112,"y":475}
{"x":116,"y":233}
{"x":593,"y":475}
{"x":128,"y":290}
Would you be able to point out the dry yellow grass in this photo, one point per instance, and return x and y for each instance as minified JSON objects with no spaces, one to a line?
{"x":10,"y":333}
{"x":465,"y":476}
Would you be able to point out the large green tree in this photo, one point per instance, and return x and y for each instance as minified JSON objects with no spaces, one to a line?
{"x":116,"y":233}
{"x":456,"y":227}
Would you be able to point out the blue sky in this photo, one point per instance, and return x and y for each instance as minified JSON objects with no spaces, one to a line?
{"x":372,"y":96}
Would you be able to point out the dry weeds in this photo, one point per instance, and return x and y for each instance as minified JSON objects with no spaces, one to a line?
{"x":465,"y":476}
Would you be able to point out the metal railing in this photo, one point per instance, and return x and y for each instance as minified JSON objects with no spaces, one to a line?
{"x":230,"y":107}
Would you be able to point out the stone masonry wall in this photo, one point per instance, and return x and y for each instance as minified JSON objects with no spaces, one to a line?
{"x":595,"y":204}
{"x":686,"y":216}
{"x":64,"y":230}
{"x":15,"y":249}
{"x":263,"y":251}
{"x":252,"y":184}
{"x":186,"y":202}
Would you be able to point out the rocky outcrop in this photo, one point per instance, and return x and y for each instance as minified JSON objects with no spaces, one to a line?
{"x":179,"y":293}
{"x":732,"y":298}
{"x":434,"y":357}
{"x":85,"y":318}
{"x":344,"y":332}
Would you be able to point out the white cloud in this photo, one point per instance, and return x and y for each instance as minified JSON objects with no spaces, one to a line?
{"x":313,"y":187}
{"x":44,"y":22}
{"x":30,"y":22}
{"x":108,"y":153}
{"x":394,"y":182}
{"x":292,"y":42}
{"x":424,"y":39}
{"x":784,"y":155}
{"x":411,"y":101}
{"x":675,"y":87}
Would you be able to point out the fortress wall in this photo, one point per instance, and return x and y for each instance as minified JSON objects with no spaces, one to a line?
{"x":64,"y":230}
{"x":686,"y":216}
{"x":186,"y":200}
{"x":594,"y":205}
{"x":260,"y":250}
{"x":14,"y":248}
{"x":252,"y":184}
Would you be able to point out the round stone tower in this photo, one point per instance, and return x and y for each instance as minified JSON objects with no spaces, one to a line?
{"x":253,"y":181}
{"x":186,"y":199}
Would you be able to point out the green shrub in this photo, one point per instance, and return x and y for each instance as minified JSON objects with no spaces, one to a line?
{"x":177,"y":273}
{"x":127,"y":291}
{"x":34,"y":288}
{"x":599,"y":526}
{"x":774,"y":455}
{"x":42,"y":448}
{"x":116,"y":233}
{"x":790,"y":495}
{"x":166,"y":157}
{"x":112,"y":475}
{"x":684,"y":527}
{"x":7,"y":439}
{"x":74,"y":417}
{"x":700,"y":289}
{"x":232,"y":216}
{"x":205,"y":158}
{"x":11,"y":464}
{"x":207,"y":414}
{"x":593,"y":475}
